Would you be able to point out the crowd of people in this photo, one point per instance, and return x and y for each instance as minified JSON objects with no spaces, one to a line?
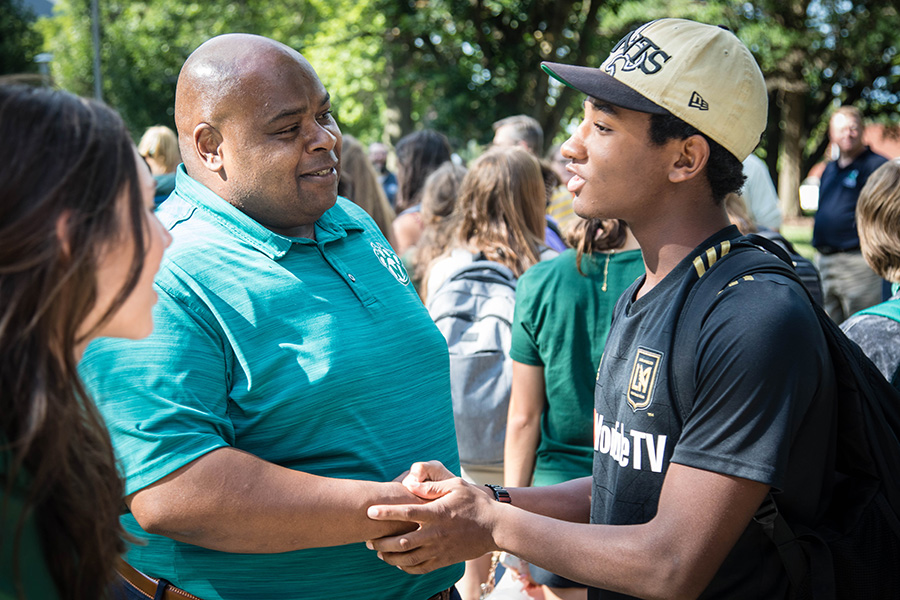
{"x":246,"y":359}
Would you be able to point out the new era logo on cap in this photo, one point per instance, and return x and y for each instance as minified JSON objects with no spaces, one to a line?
{"x":697,"y":101}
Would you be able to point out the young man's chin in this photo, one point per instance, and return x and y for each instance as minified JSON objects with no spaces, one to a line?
{"x":584,"y":210}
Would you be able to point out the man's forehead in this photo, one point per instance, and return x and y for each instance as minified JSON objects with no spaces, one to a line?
{"x":258,"y":78}
{"x":841,"y":119}
{"x":276,"y":91}
{"x":603,"y":106}
{"x":299,"y":106}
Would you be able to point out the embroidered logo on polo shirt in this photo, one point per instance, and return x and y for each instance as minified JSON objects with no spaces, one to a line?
{"x":391,"y":262}
{"x":643,"y":378}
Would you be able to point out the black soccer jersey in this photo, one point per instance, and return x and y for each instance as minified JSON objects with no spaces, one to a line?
{"x":762,"y":407}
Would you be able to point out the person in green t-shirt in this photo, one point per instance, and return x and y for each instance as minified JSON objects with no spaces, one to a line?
{"x":563,"y":312}
{"x":80,"y":249}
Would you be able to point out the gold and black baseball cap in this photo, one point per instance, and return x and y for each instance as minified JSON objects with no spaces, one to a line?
{"x":702,"y":74}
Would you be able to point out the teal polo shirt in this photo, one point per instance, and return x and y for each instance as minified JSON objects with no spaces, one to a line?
{"x":314,"y":355}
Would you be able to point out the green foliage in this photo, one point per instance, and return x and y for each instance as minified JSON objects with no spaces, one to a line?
{"x":833,"y":51}
{"x":145,"y":43}
{"x":19,"y":41}
{"x":458,"y":65}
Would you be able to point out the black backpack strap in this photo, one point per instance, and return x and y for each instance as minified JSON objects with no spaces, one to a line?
{"x":744,"y":259}
{"x":768,"y":234}
{"x":798,"y":550}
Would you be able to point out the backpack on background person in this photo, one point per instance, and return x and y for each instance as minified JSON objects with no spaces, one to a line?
{"x":473,"y":309}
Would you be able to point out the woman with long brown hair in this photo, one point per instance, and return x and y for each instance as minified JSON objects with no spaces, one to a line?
{"x":79,"y":253}
{"x":418,"y":155}
{"x":359,"y":183}
{"x":438,"y":203}
{"x":499,"y":214}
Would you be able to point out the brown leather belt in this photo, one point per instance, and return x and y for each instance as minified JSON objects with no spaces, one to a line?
{"x":148,"y":585}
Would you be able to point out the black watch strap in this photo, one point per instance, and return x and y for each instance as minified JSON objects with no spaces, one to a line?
{"x":500,"y":493}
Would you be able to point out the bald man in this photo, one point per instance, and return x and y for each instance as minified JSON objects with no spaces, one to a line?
{"x":292,"y":370}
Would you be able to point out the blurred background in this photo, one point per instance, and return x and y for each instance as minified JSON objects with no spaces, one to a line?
{"x":459,"y":65}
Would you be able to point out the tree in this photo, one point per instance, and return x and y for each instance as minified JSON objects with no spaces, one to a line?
{"x":458,"y":65}
{"x":144,"y":45}
{"x":817,"y":55}
{"x":19,"y":41}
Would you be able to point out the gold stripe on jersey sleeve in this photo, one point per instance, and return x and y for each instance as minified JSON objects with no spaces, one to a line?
{"x":712,"y":255}
{"x":699,"y":266}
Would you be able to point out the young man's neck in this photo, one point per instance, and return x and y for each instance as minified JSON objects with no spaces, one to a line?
{"x":667,"y":240}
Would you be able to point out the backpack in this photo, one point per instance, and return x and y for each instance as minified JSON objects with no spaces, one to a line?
{"x":855,"y":551}
{"x":473,"y":309}
{"x":806,"y":270}
{"x":888,"y":310}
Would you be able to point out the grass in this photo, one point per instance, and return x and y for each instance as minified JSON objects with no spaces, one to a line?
{"x":799,"y":232}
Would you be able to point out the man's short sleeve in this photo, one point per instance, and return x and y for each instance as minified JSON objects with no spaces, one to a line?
{"x":164,"y":398}
{"x":761,"y":359}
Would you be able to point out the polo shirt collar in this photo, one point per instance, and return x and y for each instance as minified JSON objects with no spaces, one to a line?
{"x":333,"y":225}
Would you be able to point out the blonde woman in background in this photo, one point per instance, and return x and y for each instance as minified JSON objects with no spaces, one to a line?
{"x":159,"y":147}
{"x":499,"y":216}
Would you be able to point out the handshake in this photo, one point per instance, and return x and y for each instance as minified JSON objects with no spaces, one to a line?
{"x":455,"y":523}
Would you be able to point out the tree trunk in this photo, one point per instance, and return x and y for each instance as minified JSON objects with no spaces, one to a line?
{"x":792,"y":116}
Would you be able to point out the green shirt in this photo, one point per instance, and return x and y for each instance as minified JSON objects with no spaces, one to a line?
{"x":36,"y":581}
{"x":561,"y":322}
{"x":314,"y":355}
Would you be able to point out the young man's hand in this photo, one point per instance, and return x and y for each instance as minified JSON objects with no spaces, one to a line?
{"x":454,"y":526}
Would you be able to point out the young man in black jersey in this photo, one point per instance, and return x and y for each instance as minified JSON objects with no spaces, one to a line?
{"x":669,"y":510}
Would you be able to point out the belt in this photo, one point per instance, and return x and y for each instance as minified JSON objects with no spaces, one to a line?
{"x":148,"y":585}
{"x":829,"y":250}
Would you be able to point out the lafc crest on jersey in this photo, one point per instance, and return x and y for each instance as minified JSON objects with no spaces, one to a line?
{"x":642,"y":382}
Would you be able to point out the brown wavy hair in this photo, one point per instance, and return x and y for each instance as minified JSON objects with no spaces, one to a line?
{"x":359,"y":183}
{"x":595,"y":235}
{"x":64,"y":163}
{"x":438,"y":203}
{"x":500,"y":210}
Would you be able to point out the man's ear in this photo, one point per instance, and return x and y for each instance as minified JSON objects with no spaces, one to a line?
{"x":208,"y":144}
{"x":693,"y":158}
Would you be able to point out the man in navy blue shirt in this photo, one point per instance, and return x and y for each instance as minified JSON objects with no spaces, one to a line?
{"x":847,"y":281}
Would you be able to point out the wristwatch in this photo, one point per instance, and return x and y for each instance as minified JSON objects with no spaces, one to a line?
{"x":500,"y":493}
